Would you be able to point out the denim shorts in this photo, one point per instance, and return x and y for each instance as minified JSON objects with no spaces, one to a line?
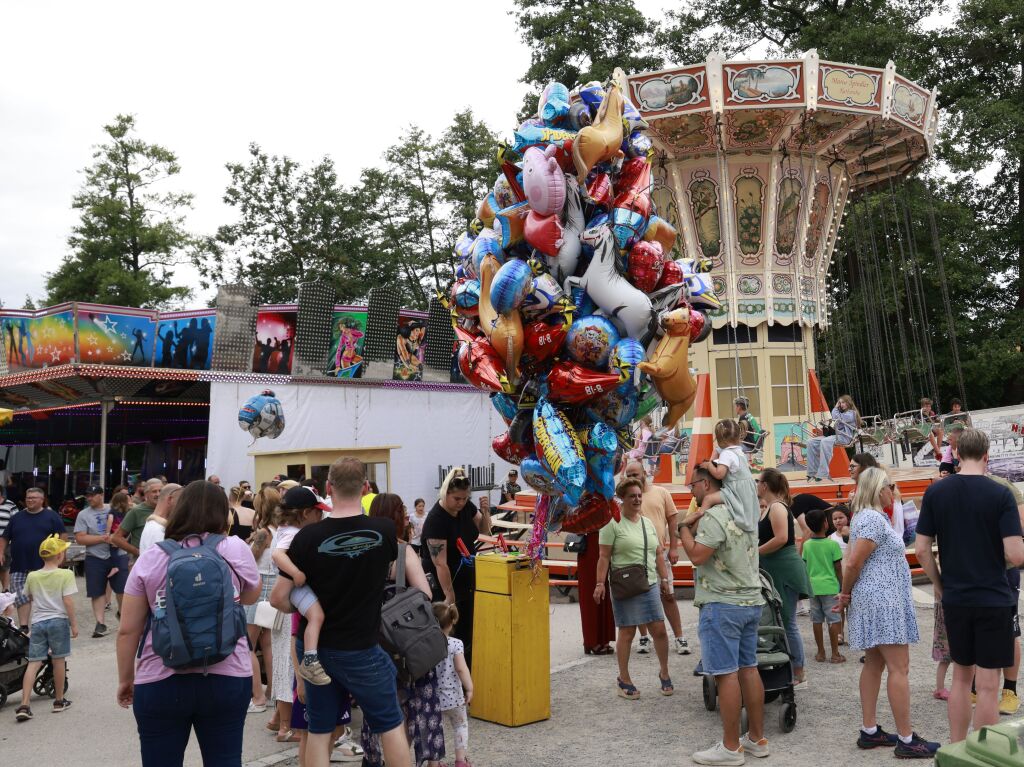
{"x":821,"y":609}
{"x":368,"y":674}
{"x":728,"y":637}
{"x":50,"y":638}
{"x":302,"y":598}
{"x":97,"y":571}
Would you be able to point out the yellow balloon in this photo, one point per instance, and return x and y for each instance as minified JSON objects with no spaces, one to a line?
{"x":601,"y":140}
{"x":661,"y":232}
{"x":507,"y":340}
{"x":669,"y":367}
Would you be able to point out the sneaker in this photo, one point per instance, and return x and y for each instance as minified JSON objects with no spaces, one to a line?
{"x":100,"y":631}
{"x":758,"y":749}
{"x":1008,"y":703}
{"x":61,"y":705}
{"x":645,"y":645}
{"x":345,"y":749}
{"x":311,"y":670}
{"x":881,"y":739}
{"x":917,"y":748}
{"x":719,"y":754}
{"x":802,"y":608}
{"x":682,"y":646}
{"x":22,"y":713}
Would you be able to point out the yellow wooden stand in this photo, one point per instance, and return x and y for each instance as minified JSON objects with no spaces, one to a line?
{"x":511,"y":642}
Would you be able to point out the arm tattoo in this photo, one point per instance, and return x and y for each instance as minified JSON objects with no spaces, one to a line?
{"x":436,"y":548}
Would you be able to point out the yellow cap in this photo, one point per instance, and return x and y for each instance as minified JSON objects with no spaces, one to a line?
{"x":52,"y":546}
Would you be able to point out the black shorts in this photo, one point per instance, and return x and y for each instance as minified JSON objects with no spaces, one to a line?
{"x":981,"y":636}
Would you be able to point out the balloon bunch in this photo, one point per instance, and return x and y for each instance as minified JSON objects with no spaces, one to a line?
{"x":564,"y":282}
{"x":262,"y":416}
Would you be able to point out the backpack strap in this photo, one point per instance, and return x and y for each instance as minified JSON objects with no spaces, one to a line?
{"x":168,"y":547}
{"x":400,"y":568}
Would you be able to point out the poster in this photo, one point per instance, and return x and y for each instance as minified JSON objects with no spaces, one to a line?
{"x":107,"y":338}
{"x":790,"y":449}
{"x":410,"y":346}
{"x":348,"y":333}
{"x":184,"y":342}
{"x":38,"y":342}
{"x":1005,"y":429}
{"x":275,"y":342}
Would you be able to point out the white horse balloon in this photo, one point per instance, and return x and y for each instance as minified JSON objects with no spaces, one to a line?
{"x":629,"y":308}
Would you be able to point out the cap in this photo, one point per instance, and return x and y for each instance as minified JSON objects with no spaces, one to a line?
{"x":302,"y":498}
{"x":287,"y":484}
{"x":94,"y":490}
{"x":52,"y":546}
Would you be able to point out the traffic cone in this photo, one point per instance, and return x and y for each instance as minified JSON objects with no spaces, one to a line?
{"x":702,"y":441}
{"x":839,"y":463}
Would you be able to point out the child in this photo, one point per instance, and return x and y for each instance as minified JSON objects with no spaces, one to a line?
{"x":841,"y":523}
{"x":300,"y":507}
{"x":452,"y":679}
{"x":824,"y":560}
{"x":54,"y":624}
{"x":729,"y":463}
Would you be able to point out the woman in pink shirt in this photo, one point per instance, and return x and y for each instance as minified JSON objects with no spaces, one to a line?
{"x":168,"y":704}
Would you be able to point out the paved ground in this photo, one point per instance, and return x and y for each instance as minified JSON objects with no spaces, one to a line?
{"x":589,"y":724}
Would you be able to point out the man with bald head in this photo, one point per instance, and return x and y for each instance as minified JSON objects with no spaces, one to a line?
{"x":658,"y":507}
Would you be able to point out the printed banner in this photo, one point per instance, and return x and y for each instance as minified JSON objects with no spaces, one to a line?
{"x":31,"y":343}
{"x":275,"y":342}
{"x":1005,"y":429}
{"x":185,"y":343}
{"x":348,"y":333}
{"x":410,"y":345}
{"x":115,"y":339}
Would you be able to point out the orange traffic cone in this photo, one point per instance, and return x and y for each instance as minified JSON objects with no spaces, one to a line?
{"x":839,"y":463}
{"x":702,"y":441}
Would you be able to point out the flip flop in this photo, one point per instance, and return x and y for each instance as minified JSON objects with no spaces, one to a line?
{"x":289,"y":737}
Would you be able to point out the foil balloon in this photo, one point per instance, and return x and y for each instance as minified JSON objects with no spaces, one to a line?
{"x":510,"y":222}
{"x":486,"y":209}
{"x":507,"y":339}
{"x":599,"y":190}
{"x":262,"y":416}
{"x":661,"y":231}
{"x":464,"y":247}
{"x":646,"y":264}
{"x":626,"y":355}
{"x":485,"y":245}
{"x":600,"y":141}
{"x":541,"y":479}
{"x":506,"y":407}
{"x":584,"y":305}
{"x":632,"y":205}
{"x":593,"y":512}
{"x":544,"y":233}
{"x":572,"y":384}
{"x":649,"y":400}
{"x":542,"y":137}
{"x":510,"y":286}
{"x":579,"y":116}
{"x":590,"y":341}
{"x":542,"y":341}
{"x":669,"y":365}
{"x":553,"y":106}
{"x":543,"y":181}
{"x":617,"y":409}
{"x":599,"y":219}
{"x":638,"y":144}
{"x":520,"y":431}
{"x":504,"y":195}
{"x":671,"y":274}
{"x":466,"y":295}
{"x":544,"y":297}
{"x":509,"y":451}
{"x":565,"y":261}
{"x":558,"y":445}
{"x":629,"y":308}
{"x":481,"y":366}
{"x":591,"y":94}
{"x":488,"y":268}
{"x":599,"y":444}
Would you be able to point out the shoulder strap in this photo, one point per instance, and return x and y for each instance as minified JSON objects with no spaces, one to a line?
{"x":400,"y":567}
{"x":168,"y":547}
{"x":643,"y":527}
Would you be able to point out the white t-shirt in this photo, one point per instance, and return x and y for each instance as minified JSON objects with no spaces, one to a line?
{"x":417,"y":526}
{"x":732,"y":458}
{"x":284,"y":536}
{"x":152,"y":533}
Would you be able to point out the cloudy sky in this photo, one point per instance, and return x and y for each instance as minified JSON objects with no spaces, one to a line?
{"x":205,"y":79}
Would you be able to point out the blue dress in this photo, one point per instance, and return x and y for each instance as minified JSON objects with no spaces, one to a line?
{"x":881,"y":607}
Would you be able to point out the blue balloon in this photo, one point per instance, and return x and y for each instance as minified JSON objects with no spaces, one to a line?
{"x":510,"y":285}
{"x":626,"y":355}
{"x":617,"y":408}
{"x":558,"y":443}
{"x":262,"y":415}
{"x":539,"y":477}
{"x":554,"y":104}
{"x":544,"y":297}
{"x":540,"y":136}
{"x":505,"y":405}
{"x":486,"y":244}
{"x":637,"y":144}
{"x":598,"y":220}
{"x":599,"y":447}
{"x":583,"y":303}
{"x":590,"y":341}
{"x":628,"y":227}
{"x":468,"y":294}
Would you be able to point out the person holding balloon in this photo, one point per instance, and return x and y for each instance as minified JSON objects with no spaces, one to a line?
{"x":632,"y":552}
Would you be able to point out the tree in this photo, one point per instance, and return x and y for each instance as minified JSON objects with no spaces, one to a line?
{"x":466,"y":163}
{"x":294,"y":225}
{"x":131,"y":235}
{"x":29,"y":303}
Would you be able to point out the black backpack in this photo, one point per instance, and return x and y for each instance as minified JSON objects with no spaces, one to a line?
{"x":408,"y":629}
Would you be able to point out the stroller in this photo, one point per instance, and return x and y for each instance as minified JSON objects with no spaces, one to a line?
{"x":774,"y":661}
{"x":14,"y":662}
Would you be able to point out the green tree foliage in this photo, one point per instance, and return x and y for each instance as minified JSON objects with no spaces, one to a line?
{"x":131,"y":233}
{"x":466,"y":163}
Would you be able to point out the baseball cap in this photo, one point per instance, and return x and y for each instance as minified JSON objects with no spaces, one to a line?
{"x":302,"y":498}
{"x":94,"y":490}
{"x":52,"y":546}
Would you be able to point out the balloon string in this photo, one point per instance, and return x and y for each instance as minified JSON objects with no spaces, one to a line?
{"x":538,"y":536}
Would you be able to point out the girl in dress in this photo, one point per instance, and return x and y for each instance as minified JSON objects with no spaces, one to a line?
{"x":454,"y":683}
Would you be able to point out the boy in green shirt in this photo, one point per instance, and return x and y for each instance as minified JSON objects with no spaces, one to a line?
{"x":53,"y":622}
{"x":824,"y":560}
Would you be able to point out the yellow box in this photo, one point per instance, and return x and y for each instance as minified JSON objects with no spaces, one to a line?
{"x":511,"y":642}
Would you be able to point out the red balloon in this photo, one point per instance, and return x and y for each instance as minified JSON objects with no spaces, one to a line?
{"x":544,"y":233}
{"x":482,"y":366}
{"x":699,"y":326}
{"x":600,"y":190}
{"x":671,"y":274}
{"x":633,"y":190}
{"x":593,"y":513}
{"x":646,"y":264}
{"x":574,"y":384}
{"x":542,"y":340}
{"x":509,"y":450}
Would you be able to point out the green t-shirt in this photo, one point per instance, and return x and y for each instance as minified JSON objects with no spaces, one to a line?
{"x":730,"y":575}
{"x":627,"y":541}
{"x":134,"y":521}
{"x":820,"y":555}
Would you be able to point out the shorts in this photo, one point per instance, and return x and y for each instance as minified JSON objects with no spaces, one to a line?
{"x":18,"y":587}
{"x":821,"y":609}
{"x":728,"y":637}
{"x":369,"y":675}
{"x":50,"y":638}
{"x":97,"y":571}
{"x":300,"y":720}
{"x":302,"y":598}
{"x":980,"y":636}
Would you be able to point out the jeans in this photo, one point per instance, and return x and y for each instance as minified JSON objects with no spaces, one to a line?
{"x":796,"y":644}
{"x":819,"y":453}
{"x":214,"y":706}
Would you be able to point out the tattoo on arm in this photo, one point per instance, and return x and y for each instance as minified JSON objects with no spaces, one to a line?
{"x":437,"y":549}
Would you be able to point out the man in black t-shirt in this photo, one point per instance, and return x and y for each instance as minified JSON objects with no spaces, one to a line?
{"x":346,"y":559}
{"x":978,"y":529}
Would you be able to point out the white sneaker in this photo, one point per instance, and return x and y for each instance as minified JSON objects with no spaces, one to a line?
{"x":682,"y":646}
{"x":346,"y":750}
{"x":803,"y":608}
{"x":645,"y":646}
{"x":758,"y":749}
{"x":719,"y":754}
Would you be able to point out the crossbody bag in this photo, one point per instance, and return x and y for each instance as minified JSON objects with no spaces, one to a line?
{"x":631,"y":580}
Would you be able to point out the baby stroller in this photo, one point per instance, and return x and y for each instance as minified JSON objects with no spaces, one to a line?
{"x":774,"y":661}
{"x":14,"y":662}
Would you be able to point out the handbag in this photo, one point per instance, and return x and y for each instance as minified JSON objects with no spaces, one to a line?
{"x":575,"y":543}
{"x":631,"y":580}
{"x":409,"y":632}
{"x":267,"y":616}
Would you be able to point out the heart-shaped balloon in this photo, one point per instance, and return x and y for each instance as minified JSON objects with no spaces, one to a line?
{"x":572,"y":384}
{"x":544,"y":233}
{"x":593,"y":512}
{"x":542,"y":340}
{"x":671,"y":274}
{"x":646,"y":264}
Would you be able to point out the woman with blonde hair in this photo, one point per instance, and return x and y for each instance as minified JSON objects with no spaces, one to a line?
{"x":845,"y":422}
{"x":261,"y":539}
{"x":239,"y":517}
{"x":881,"y":619}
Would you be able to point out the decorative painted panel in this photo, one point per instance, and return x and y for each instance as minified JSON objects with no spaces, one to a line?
{"x":768,"y":83}
{"x":753,"y":128}
{"x":787,"y":216}
{"x":748,"y":189}
{"x":844,"y":86}
{"x":671,"y":92}
{"x":703,"y":193}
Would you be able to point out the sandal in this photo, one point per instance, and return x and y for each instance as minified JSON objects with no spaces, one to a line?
{"x":288,"y":737}
{"x":942,"y":694}
{"x":627,"y":691}
{"x":666,"y":686}
{"x":600,"y":650}
{"x":274,"y":728}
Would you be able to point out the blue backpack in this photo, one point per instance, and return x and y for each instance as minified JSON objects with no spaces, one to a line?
{"x":199,"y":622}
